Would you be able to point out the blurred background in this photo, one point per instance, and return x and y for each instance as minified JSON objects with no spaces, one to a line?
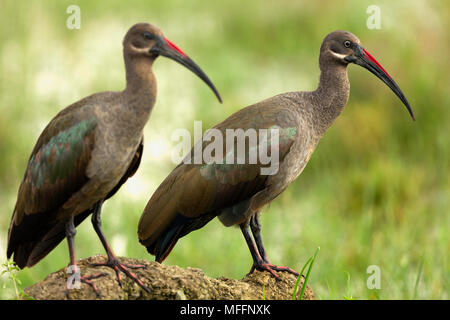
{"x":376,"y":190}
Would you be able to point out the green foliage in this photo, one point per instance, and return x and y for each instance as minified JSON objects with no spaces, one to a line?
{"x":376,"y":190}
{"x":10,"y":270}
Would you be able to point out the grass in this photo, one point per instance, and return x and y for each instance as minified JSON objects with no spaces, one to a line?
{"x":419,"y":273}
{"x":348,"y":295}
{"x":375,"y":192}
{"x":310,"y":263}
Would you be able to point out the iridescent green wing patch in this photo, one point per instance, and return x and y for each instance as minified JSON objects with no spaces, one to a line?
{"x":62,"y":155}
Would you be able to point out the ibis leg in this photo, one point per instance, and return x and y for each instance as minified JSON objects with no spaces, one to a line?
{"x":113,"y":262}
{"x":255,"y":226}
{"x":258,"y":262}
{"x":70,"y":235}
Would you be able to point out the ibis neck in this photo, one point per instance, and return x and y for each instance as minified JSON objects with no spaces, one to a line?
{"x":331,"y":95}
{"x":141,"y":82}
{"x":139,"y":95}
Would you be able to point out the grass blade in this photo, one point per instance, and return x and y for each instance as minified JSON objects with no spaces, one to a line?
{"x":299,"y":277}
{"x":308,"y":273}
{"x":419,"y":274}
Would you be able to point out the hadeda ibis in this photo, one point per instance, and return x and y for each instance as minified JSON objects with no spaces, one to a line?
{"x":85,"y":154}
{"x":193,"y":194}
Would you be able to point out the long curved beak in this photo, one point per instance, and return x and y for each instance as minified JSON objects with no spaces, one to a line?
{"x":166,"y":48}
{"x":365,"y":59}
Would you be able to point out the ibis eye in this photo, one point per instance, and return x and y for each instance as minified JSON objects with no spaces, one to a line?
{"x":347,"y":43}
{"x":147,"y":35}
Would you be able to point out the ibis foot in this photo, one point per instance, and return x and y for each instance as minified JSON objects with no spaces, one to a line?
{"x":117,"y":266}
{"x":87,"y":280}
{"x":285,"y":269}
{"x":265,"y":266}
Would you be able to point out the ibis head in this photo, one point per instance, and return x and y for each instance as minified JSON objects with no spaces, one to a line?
{"x":344,"y":47}
{"x":148,"y":41}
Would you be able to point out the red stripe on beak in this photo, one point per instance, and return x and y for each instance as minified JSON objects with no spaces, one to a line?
{"x":369,"y":56}
{"x":172,"y":45}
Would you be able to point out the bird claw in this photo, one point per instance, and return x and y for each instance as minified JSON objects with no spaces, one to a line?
{"x":87,"y":280}
{"x":263,"y":266}
{"x":117,"y":266}
{"x":285,"y":269}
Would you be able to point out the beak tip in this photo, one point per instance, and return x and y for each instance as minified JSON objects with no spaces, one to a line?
{"x":216,"y":93}
{"x":411,"y":113}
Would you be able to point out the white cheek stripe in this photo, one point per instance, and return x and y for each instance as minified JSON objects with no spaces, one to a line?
{"x":338,"y":55}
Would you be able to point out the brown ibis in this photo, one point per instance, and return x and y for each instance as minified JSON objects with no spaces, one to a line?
{"x":193,"y":194}
{"x":85,"y":154}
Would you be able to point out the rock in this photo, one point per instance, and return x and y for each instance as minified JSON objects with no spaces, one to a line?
{"x":166,"y":283}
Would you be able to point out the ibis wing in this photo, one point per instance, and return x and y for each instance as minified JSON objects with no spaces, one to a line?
{"x":199,"y":192}
{"x":55,"y":171}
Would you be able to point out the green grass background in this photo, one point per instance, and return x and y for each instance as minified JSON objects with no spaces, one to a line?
{"x":376,"y":191}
